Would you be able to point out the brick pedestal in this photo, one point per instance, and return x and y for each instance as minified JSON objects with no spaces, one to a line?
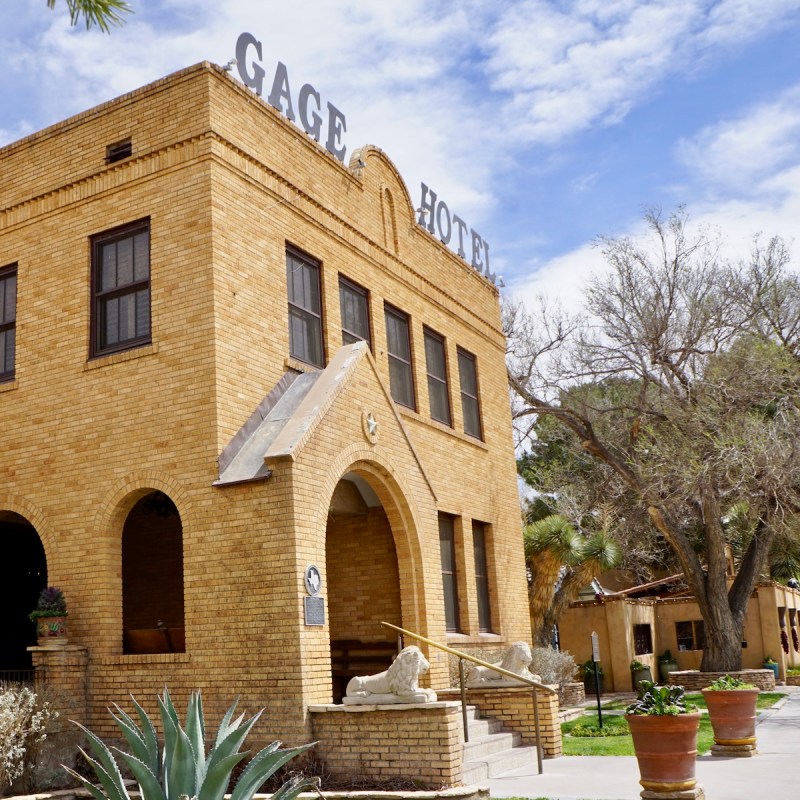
{"x":63,"y":670}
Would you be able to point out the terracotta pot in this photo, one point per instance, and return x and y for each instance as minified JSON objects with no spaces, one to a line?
{"x":733,"y":715}
{"x":51,"y":631}
{"x":666,"y":749}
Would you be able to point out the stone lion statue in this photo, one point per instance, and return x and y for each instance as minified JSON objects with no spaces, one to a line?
{"x":516,"y":659}
{"x":398,"y":684}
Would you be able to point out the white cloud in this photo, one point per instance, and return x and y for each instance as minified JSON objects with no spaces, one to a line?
{"x":744,"y":154}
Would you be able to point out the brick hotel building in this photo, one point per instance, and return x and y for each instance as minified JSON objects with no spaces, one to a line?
{"x":226,"y":356}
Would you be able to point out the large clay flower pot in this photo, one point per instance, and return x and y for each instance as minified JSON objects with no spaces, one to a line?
{"x":733,"y":715}
{"x":666,"y":749}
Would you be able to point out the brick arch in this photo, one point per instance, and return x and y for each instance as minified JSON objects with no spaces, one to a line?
{"x":37,"y":519}
{"x":109,"y":523}
{"x":387,"y":481}
{"x":114,"y":509}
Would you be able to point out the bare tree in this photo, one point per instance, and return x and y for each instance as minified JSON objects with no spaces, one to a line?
{"x":681,"y":381}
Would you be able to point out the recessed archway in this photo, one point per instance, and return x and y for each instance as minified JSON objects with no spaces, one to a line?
{"x":152,"y":577}
{"x":23,"y":574}
{"x":363,"y":582}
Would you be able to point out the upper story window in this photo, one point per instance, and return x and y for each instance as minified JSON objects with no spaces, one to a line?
{"x":8,"y":321}
{"x":305,"y":308}
{"x":481,"y":576}
{"x":470,"y":405}
{"x":121,"y":289}
{"x":354,"y":306}
{"x":398,"y":345}
{"x":436,"y":366}
{"x":447,"y":547}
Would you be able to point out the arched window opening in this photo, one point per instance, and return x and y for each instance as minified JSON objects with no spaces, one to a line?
{"x":152,"y":577}
{"x":23,"y":574}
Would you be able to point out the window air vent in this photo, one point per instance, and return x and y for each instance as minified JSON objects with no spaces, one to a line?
{"x":118,"y":151}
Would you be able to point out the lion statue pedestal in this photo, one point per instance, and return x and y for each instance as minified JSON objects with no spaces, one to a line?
{"x":398,"y":684}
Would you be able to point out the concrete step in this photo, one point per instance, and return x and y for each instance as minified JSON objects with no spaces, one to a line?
{"x":483,"y":727}
{"x":497,"y":763}
{"x":483,"y":746}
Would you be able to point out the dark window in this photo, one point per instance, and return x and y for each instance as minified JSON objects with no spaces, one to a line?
{"x":436,"y":366}
{"x":121,"y":289}
{"x":8,"y":321}
{"x":470,"y":407}
{"x":690,"y":635}
{"x":118,"y":151}
{"x":642,"y":640}
{"x":305,"y":308}
{"x":398,"y":345}
{"x":447,"y":545}
{"x":481,"y":577}
{"x":354,"y":306}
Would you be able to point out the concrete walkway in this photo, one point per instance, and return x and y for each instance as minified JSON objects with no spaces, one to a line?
{"x":774,"y":772}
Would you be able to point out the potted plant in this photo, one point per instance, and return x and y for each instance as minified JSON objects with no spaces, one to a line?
{"x":664,"y":730}
{"x":771,"y":663}
{"x":587,"y":670}
{"x":50,"y":616}
{"x":666,"y":664}
{"x":640,"y":672}
{"x":732,"y":710}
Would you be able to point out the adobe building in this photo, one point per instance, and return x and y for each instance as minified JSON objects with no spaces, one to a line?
{"x":632,"y":628}
{"x":228,"y":356}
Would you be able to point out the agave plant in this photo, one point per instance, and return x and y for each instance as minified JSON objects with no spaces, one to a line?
{"x":181,"y":768}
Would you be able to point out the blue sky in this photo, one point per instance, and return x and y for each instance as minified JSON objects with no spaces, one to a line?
{"x":542,"y":123}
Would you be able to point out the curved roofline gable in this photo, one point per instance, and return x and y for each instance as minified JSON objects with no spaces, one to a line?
{"x":359,"y":159}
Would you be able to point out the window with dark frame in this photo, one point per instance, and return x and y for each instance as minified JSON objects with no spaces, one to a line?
{"x":690,"y":635}
{"x":481,"y":577}
{"x":305,"y":308}
{"x":470,"y":405}
{"x":447,"y":547}
{"x":354,"y":307}
{"x":8,"y":322}
{"x":436,"y":367}
{"x":121,"y":289}
{"x":642,"y":639}
{"x":398,"y":346}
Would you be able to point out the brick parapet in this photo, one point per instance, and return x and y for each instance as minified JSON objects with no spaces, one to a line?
{"x":693,"y":680}
{"x":420,"y":742}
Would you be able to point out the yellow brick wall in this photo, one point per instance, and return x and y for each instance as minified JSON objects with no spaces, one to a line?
{"x":226,"y":183}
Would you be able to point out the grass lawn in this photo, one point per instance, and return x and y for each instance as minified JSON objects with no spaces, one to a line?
{"x":622,"y":745}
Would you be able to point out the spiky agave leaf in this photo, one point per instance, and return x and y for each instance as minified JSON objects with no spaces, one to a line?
{"x":105,"y":766}
{"x":181,"y":775}
{"x":294,"y":786}
{"x":150,"y":737}
{"x":134,"y":737}
{"x":149,"y":784}
{"x":195,"y":730}
{"x":90,"y":787}
{"x":218,"y":777}
{"x":261,"y":767}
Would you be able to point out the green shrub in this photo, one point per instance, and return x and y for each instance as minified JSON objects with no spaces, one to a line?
{"x":727,"y":683}
{"x":660,"y":701}
{"x":180,"y":767}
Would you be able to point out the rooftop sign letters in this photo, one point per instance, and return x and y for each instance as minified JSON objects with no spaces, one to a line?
{"x":440,"y":220}
{"x":309,"y":102}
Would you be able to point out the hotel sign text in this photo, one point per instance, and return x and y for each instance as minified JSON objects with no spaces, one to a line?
{"x":309,"y":102}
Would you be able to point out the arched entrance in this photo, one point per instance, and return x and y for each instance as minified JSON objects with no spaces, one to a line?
{"x":23,"y":575}
{"x":363,"y":582}
{"x":152,"y":577}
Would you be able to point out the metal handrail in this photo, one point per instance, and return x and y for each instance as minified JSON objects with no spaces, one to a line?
{"x":465,"y":657}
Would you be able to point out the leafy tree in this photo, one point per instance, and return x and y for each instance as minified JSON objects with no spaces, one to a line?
{"x":102,"y":13}
{"x":561,"y":561}
{"x":676,"y":393}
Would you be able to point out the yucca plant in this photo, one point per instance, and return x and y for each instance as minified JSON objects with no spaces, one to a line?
{"x":180,"y":768}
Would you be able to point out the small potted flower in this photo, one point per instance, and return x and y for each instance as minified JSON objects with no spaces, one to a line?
{"x":50,"y":616}
{"x":664,"y":731}
{"x":771,"y":663}
{"x":732,"y":710}
{"x":640,"y":672}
